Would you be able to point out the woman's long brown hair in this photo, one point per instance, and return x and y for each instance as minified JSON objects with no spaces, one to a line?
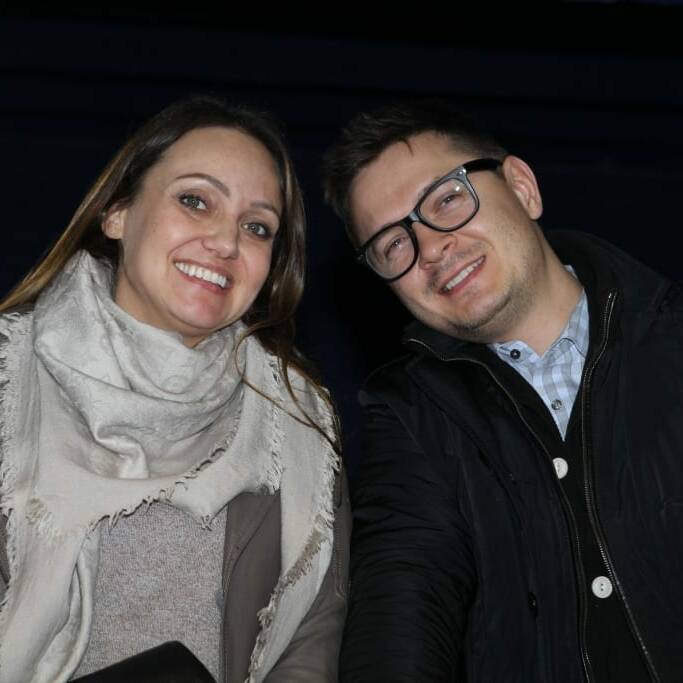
{"x":271,"y":317}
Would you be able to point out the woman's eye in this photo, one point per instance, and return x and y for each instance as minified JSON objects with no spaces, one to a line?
{"x":193,"y":201}
{"x":258,"y":229}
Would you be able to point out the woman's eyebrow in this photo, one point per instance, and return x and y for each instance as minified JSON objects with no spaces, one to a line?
{"x":220,"y":186}
{"x":223,"y":189}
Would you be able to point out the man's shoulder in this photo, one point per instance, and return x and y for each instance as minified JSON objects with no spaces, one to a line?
{"x":643,"y":287}
{"x":409,"y":377}
{"x":407,"y":380}
{"x":391,"y":380}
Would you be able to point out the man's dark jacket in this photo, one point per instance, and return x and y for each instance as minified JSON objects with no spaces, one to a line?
{"x":465,"y":560}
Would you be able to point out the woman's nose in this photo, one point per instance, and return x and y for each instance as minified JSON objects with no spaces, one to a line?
{"x":223,"y":240}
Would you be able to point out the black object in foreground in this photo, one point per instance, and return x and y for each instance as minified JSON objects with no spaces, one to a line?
{"x":171,"y":662}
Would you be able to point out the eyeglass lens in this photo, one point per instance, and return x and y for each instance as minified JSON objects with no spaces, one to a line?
{"x":391,"y":252}
{"x":446,"y":207}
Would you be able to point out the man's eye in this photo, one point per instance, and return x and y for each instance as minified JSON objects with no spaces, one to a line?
{"x":394,"y":247}
{"x":193,"y":201}
{"x":258,"y":229}
{"x":446,"y":198}
{"x":454,"y":195}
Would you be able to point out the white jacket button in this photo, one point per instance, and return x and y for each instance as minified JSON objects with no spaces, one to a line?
{"x":601,"y":587}
{"x":561,"y":467}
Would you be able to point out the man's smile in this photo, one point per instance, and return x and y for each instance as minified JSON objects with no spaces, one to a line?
{"x":461,"y":275}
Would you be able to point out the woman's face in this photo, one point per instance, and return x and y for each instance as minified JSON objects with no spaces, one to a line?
{"x":198,"y":238}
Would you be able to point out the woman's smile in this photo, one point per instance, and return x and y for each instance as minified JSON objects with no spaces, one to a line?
{"x":203,"y":274}
{"x":198,"y":238}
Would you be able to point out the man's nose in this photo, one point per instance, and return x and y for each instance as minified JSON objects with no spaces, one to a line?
{"x":434,"y":244}
{"x":223,"y":239}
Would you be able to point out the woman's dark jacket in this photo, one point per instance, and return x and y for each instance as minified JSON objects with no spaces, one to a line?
{"x":465,"y":565}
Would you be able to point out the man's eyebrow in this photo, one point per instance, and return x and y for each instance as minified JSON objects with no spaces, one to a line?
{"x":420,"y":196}
{"x":429,"y":186}
{"x":223,"y":189}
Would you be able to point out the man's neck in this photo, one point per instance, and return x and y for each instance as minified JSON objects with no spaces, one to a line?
{"x":548,"y":317}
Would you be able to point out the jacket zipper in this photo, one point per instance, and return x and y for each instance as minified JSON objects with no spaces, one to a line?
{"x":590,"y":494}
{"x":588,"y":489}
{"x":578,"y":567}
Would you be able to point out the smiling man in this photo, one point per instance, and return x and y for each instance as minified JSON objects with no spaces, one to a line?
{"x":518,"y":507}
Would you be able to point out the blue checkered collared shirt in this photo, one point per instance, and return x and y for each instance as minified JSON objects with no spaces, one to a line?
{"x":556,"y":375}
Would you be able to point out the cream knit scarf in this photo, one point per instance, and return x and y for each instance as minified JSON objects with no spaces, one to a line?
{"x":100,"y":414}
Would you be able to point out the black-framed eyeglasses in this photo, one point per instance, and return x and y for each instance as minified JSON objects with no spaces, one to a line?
{"x":448,"y":204}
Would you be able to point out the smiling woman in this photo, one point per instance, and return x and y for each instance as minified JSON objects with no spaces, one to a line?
{"x":149,"y":358}
{"x":198,"y":237}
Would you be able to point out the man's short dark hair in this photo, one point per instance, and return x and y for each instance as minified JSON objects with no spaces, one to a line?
{"x":368,"y":135}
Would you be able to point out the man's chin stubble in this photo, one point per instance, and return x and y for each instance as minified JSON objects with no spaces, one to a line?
{"x":491,"y":327}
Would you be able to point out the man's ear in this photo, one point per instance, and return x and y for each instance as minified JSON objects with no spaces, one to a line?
{"x":522,"y":181}
{"x":114,"y":222}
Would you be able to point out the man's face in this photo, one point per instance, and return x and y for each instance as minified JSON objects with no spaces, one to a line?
{"x":479,"y":282}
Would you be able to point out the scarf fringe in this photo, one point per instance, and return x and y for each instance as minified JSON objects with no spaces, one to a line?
{"x":266,"y":616}
{"x":277,"y":433}
{"x":166,"y":492}
{"x":39,"y":515}
{"x":322,"y":532}
{"x":8,"y":473}
{"x":7,"y":470}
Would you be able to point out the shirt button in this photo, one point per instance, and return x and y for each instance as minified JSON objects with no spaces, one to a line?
{"x":533,"y":604}
{"x":561,"y":467}
{"x":556,"y":404}
{"x":515,"y":354}
{"x":601,"y":587}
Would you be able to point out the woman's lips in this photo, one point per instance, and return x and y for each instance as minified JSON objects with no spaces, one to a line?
{"x":203,"y":275}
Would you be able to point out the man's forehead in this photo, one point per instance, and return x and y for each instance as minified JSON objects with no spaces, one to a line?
{"x":415,"y":146}
{"x":388,"y":187}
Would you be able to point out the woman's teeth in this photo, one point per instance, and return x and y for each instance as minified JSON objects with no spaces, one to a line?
{"x":202,"y":274}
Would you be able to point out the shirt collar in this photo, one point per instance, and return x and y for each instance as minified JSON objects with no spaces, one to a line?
{"x":576,"y":330}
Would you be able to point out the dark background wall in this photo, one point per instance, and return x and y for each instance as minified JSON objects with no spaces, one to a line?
{"x":589,"y":93}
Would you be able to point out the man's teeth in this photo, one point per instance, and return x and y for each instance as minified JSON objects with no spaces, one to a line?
{"x":202,"y":274}
{"x":462,"y":275}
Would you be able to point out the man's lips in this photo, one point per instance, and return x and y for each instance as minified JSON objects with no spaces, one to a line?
{"x":457,"y":278}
